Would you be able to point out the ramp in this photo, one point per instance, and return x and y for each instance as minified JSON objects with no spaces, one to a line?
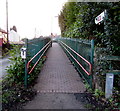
{"x":58,"y":74}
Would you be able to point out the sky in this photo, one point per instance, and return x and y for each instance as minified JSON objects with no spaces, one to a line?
{"x":32,"y":17}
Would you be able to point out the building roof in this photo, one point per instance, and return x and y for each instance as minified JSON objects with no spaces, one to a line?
{"x":3,"y":31}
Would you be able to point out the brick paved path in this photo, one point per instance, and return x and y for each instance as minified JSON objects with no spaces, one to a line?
{"x":58,"y":74}
{"x":57,"y":83}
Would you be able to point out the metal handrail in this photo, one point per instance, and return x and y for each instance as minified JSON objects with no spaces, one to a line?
{"x":28,"y":64}
{"x":90,"y":65}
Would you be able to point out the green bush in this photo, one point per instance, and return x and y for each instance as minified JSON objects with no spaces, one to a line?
{"x":13,"y":90}
{"x":77,"y":20}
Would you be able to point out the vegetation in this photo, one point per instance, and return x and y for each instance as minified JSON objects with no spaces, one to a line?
{"x":13,"y":91}
{"x":14,"y":28}
{"x":77,"y":20}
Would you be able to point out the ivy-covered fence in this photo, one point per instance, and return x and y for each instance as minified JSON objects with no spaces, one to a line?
{"x":103,"y":64}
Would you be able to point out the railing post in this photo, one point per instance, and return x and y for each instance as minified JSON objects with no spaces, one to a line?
{"x":92,"y":62}
{"x":76,"y":47}
{"x":92,"y":52}
{"x":25,"y":81}
{"x":51,"y":44}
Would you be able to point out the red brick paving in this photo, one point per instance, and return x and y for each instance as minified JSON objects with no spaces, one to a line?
{"x":58,"y":74}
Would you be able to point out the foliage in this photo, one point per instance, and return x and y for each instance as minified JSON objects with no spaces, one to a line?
{"x":13,"y":90}
{"x":68,"y":16}
{"x":14,"y":28}
{"x":16,"y":69}
{"x":87,"y":86}
{"x":76,"y":20}
{"x":98,"y":93}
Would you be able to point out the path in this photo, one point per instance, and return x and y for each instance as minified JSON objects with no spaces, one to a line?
{"x":57,"y":83}
{"x":4,"y":62}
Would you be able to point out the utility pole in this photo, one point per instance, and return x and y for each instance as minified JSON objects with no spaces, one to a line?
{"x":7,"y":23}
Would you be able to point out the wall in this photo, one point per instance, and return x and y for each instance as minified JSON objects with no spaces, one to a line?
{"x":13,"y":37}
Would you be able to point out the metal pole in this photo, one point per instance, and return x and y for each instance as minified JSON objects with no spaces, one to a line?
{"x":7,"y":22}
{"x":105,"y":23}
{"x":92,"y":62}
{"x":26,"y":71}
{"x":92,"y":52}
{"x":107,"y":31}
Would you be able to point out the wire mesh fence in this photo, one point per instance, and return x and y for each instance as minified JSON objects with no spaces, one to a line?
{"x":35,"y":45}
{"x":85,"y":49}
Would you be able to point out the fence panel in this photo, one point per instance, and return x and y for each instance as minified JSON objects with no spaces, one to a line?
{"x":36,"y":48}
{"x":81,"y":50}
{"x":35,"y":45}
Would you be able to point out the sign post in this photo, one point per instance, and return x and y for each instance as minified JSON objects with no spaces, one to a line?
{"x":26,"y":46}
{"x":105,"y":24}
{"x":24,"y":56}
{"x":109,"y":76}
{"x":103,"y":17}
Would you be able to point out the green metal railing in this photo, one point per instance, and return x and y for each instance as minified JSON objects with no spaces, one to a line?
{"x":35,"y":45}
{"x":36,"y":48}
{"x":80,"y":52}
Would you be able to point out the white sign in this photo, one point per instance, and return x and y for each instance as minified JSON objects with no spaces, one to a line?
{"x":23,"y":53}
{"x":109,"y":85}
{"x":100,"y":18}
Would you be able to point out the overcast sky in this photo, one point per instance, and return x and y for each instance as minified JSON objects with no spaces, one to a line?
{"x":28,"y":15}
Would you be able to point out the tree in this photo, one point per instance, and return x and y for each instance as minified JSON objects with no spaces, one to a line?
{"x":77,"y":20}
{"x":14,"y":28}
